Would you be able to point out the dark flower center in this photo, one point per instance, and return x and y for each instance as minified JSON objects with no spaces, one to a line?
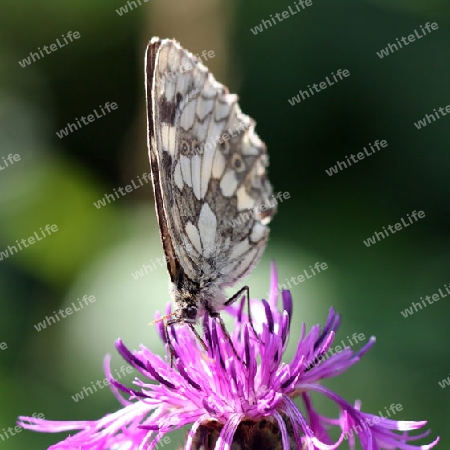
{"x":264,"y":434}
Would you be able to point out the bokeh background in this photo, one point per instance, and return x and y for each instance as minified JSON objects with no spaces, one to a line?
{"x":96,"y":251}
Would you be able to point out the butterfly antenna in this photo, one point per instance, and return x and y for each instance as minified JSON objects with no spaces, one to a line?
{"x":161,"y":319}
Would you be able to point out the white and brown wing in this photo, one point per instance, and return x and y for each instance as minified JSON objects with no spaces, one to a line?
{"x":212,"y":194}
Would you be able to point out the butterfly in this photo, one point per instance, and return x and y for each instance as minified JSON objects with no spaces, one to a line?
{"x":210,"y":183}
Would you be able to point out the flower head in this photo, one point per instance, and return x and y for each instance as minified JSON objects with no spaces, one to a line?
{"x":245,"y":400}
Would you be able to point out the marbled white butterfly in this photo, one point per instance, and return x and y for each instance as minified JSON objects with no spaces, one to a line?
{"x":209,"y":179}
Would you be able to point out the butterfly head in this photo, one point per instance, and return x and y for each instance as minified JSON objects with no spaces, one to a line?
{"x":193,"y":299}
{"x":185,"y":294}
{"x":188,"y":312}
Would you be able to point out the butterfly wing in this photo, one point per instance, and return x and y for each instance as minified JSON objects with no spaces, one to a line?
{"x":212,"y":194}
{"x":172,"y":260}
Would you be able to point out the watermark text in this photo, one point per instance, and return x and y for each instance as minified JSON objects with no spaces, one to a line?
{"x":317,"y":87}
{"x":9,"y":160}
{"x":63,"y":313}
{"x":100,"y":384}
{"x":128,"y":188}
{"x":391,"y":48}
{"x":296,"y":8}
{"x":373,"y":420}
{"x":10,"y":431}
{"x":435,"y":115}
{"x":37,"y":236}
{"x":341,"y":165}
{"x":379,"y":235}
{"x":355,"y":339}
{"x":71,"y":127}
{"x":430,"y":299}
{"x":266,"y":206}
{"x":306,"y":275}
{"x":34,"y":56}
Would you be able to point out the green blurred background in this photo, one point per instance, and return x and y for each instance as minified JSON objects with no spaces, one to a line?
{"x":96,"y":251}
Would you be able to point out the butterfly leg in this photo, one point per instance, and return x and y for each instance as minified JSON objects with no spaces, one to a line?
{"x":216,"y":315}
{"x":172,"y":351}
{"x":191,"y":326}
{"x":231,"y":300}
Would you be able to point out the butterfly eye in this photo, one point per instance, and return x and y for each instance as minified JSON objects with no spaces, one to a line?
{"x":191,"y":312}
{"x":185,"y":147}
{"x":224,"y":146}
{"x":237,"y":163}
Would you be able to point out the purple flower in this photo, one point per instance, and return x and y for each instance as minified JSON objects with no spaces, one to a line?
{"x":246,"y":400}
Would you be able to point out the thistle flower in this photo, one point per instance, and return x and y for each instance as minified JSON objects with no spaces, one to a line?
{"x":233,"y":402}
